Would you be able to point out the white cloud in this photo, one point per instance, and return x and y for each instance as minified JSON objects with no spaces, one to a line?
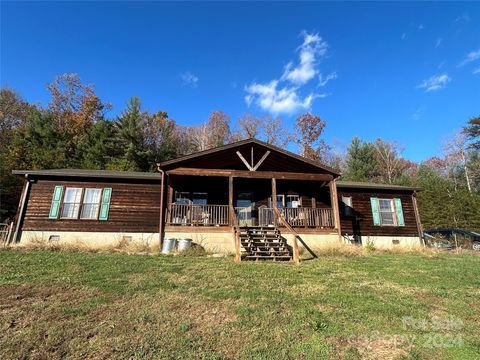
{"x":434,"y":83}
{"x":189,"y":79}
{"x":404,"y":36}
{"x":420,"y":27}
{"x":476,"y":71}
{"x":271,"y":98}
{"x":418,"y":113}
{"x":312,"y":48}
{"x":471,"y":56}
{"x":465,"y":17}
{"x":283,"y":95}
{"x":438,"y":42}
{"x":322,"y":81}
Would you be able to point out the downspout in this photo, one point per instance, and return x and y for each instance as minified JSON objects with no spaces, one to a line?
{"x":160,"y":224}
{"x":21,"y":213}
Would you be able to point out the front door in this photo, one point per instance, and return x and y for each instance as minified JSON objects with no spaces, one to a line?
{"x":243,"y":208}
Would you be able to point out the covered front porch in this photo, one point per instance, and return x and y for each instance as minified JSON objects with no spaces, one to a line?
{"x":251,"y":192}
{"x":238,"y":198}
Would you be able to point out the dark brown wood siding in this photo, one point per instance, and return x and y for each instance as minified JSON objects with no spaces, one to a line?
{"x":361,"y":222}
{"x":134,"y":207}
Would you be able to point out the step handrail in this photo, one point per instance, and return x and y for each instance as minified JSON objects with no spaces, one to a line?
{"x":296,"y":256}
{"x":236,"y":230}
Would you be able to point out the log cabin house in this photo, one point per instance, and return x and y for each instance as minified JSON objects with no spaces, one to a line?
{"x":248,"y":198}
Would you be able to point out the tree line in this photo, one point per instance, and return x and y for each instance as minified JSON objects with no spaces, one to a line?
{"x":74,"y":131}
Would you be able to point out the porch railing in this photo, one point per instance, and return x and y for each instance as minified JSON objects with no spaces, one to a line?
{"x":244,"y":215}
{"x":198,"y":215}
{"x":219,"y":215}
{"x":299,"y":217}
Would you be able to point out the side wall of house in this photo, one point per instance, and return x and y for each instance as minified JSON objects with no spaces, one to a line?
{"x":134,"y":207}
{"x":360,"y":227}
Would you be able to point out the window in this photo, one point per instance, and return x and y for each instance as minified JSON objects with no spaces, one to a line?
{"x":387,"y":211}
{"x":199,"y":198}
{"x":71,"y":203}
{"x":293,"y":201}
{"x":280,"y":201}
{"x":182,"y":198}
{"x":347,"y":205}
{"x":91,"y":203}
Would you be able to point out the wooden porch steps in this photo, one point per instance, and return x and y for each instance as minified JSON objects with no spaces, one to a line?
{"x":263,"y":243}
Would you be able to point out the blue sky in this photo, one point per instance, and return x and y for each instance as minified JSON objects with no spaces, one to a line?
{"x":408,"y":72}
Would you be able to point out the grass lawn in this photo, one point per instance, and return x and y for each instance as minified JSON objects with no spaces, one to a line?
{"x":82,"y":305}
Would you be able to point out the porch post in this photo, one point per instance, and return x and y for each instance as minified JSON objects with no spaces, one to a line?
{"x":161,"y":215}
{"x":274,"y":201}
{"x":169,"y":198}
{"x":336,"y":214}
{"x":233,"y":221}
{"x":230,"y":200}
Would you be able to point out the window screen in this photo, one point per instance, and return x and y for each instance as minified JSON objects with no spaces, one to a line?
{"x":71,"y":203}
{"x":91,"y":203}
{"x":387,"y":211}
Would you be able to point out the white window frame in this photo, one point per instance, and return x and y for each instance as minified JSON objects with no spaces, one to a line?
{"x":347,"y":202}
{"x":79,"y":203}
{"x":280,"y":199}
{"x":99,"y":203}
{"x":393,"y":212}
{"x":299,"y":200}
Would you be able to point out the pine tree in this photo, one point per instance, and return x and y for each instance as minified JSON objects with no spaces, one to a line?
{"x":442,"y":203}
{"x":39,"y":144}
{"x":97,"y":148}
{"x":130,"y":134}
{"x":472,"y":130}
{"x":361,"y":161}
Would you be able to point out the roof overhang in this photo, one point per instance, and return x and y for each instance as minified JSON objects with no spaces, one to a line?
{"x":375,"y":186}
{"x":79,"y":173}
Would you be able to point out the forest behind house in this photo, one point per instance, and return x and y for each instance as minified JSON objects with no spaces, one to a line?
{"x":74,"y":131}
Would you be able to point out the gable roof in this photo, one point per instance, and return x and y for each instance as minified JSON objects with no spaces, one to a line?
{"x":211,"y":153}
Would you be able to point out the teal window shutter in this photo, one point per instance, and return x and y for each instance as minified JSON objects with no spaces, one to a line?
{"x":56,"y":201}
{"x":399,"y":212}
{"x":375,"y":211}
{"x":105,"y":207}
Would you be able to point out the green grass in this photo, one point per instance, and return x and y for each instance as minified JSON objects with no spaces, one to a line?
{"x":82,"y":305}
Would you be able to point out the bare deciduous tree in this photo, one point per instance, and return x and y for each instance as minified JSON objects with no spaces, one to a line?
{"x":456,"y":156}
{"x":199,"y":137}
{"x":275,"y":132}
{"x":219,"y":128}
{"x":250,"y":126}
{"x":389,"y":161}
{"x":74,"y":105}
